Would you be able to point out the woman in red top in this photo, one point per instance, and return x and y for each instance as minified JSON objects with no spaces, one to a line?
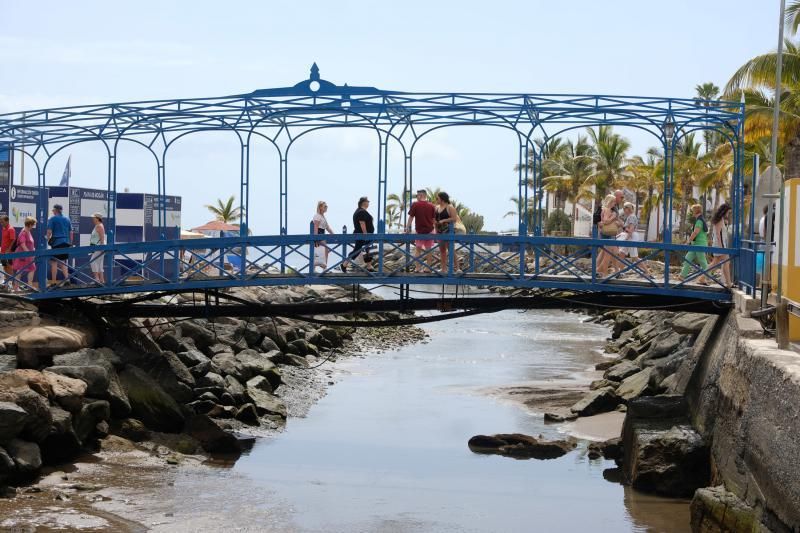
{"x":9,"y":236}
{"x":25,"y":266}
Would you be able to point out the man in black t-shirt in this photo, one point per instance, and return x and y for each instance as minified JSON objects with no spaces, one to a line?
{"x":362,"y":223}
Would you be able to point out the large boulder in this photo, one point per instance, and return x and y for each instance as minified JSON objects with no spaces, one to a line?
{"x":168,"y":371}
{"x":266,"y":403}
{"x":254,"y":363}
{"x":671,"y":461}
{"x":92,"y":413}
{"x":715,"y":510}
{"x":12,"y":420}
{"x":211,"y":437}
{"x":235,"y":389}
{"x":260,"y":383}
{"x":37,"y":346}
{"x":635,"y":385}
{"x":201,"y":336}
{"x":149,"y":403}
{"x":288,"y":359}
{"x":230,"y":366}
{"x":621,"y":371}
{"x":67,"y":392}
{"x":37,"y":423}
{"x":595,"y":402}
{"x":105,"y":357}
{"x":7,"y":466}
{"x":662,"y":346}
{"x":35,"y":381}
{"x":192,"y":358}
{"x":520,"y":446}
{"x":62,"y":443}
{"x":95,"y":377}
{"x":689,"y":323}
{"x":26,"y":455}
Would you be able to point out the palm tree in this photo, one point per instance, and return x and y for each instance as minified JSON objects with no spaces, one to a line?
{"x":393,"y":214}
{"x":756,"y":80}
{"x":690,"y":166}
{"x":646,"y":179}
{"x":611,"y":151}
{"x":707,"y":95}
{"x":530,"y":217}
{"x":570,"y":172}
{"x":225,"y":211}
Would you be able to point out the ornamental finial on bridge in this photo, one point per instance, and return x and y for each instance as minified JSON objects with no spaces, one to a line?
{"x":314,"y":72}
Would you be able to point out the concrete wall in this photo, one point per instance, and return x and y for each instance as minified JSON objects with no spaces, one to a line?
{"x":744,"y":397}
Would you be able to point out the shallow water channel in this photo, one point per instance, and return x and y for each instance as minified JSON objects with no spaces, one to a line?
{"x":386,"y":449}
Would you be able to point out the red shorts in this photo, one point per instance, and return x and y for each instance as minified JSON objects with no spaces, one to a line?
{"x":424,"y":245}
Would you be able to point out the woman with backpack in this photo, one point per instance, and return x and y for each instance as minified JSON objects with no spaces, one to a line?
{"x":698,"y":237}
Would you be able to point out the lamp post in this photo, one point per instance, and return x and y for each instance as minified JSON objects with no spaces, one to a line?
{"x":669,"y":134}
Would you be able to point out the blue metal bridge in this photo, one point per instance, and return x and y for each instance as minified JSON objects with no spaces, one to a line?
{"x":529,"y":259}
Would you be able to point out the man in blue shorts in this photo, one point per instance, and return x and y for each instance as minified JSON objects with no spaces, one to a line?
{"x":59,"y":235}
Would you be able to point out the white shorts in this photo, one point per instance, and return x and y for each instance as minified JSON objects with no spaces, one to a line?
{"x":96,"y":260}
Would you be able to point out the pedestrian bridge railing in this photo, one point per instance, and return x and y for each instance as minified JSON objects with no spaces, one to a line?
{"x":519,"y":261}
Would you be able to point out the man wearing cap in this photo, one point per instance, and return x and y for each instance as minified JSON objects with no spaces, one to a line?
{"x":422,"y":213}
{"x":59,"y":235}
{"x":362,"y":224}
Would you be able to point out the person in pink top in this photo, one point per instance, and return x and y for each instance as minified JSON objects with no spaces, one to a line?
{"x":423,"y":214}
{"x":9,"y":236}
{"x":25,"y":266}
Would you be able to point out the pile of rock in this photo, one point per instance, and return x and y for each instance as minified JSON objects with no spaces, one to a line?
{"x":200,"y":378}
{"x":650,"y":348}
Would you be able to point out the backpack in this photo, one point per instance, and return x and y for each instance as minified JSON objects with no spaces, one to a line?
{"x":703,"y":220}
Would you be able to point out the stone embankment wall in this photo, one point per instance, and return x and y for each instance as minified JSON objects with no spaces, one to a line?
{"x":743,"y":397}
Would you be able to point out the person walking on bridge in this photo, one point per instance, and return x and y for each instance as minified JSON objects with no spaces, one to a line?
{"x":423,"y":215}
{"x":320,"y":226}
{"x":445,"y":215}
{"x":98,"y":238}
{"x":698,"y":237}
{"x":25,"y":266}
{"x":362,"y":224}
{"x":719,"y":239}
{"x":9,"y":236}
{"x":59,"y":235}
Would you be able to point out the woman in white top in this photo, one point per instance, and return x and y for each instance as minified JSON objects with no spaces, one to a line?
{"x":97,"y":238}
{"x":320,"y":227}
{"x":719,"y":239}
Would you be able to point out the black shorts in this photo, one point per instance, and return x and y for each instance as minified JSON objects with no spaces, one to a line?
{"x":5,"y":262}
{"x":61,"y":257}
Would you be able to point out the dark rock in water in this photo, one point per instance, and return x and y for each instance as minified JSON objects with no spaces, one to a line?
{"x":613,"y":475}
{"x":211,"y":437}
{"x":559,"y":417}
{"x":62,"y":443}
{"x":595,"y":402}
{"x":289,"y":359}
{"x":671,"y":462}
{"x":26,"y":455}
{"x":689,"y":323}
{"x":12,"y":420}
{"x":248,"y":414}
{"x":95,"y":377}
{"x":612,"y":449}
{"x":131,"y":429}
{"x":593,"y":452}
{"x":715,"y":510}
{"x":149,"y":403}
{"x":621,"y":371}
{"x":519,"y":446}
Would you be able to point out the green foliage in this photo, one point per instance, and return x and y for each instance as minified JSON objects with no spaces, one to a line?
{"x":225,"y":211}
{"x":473,"y":222}
{"x":557,"y":221}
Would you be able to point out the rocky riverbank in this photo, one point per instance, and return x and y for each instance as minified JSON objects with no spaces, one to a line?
{"x":174,"y":391}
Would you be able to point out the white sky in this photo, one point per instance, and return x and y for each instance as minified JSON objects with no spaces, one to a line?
{"x":55,"y":53}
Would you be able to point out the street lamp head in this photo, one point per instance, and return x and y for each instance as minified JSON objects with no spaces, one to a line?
{"x":669,"y":128}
